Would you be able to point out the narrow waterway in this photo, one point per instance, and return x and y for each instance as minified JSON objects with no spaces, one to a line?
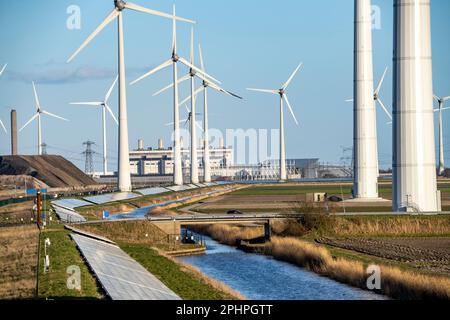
{"x":260,"y":277}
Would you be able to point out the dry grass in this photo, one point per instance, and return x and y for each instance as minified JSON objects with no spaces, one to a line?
{"x":162,"y":211}
{"x":229,"y":234}
{"x":128,"y":231}
{"x":395,"y":283}
{"x":390,"y":226}
{"x":18,"y":259}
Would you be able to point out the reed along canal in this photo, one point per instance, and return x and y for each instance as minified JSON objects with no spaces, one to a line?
{"x":259,"y":277}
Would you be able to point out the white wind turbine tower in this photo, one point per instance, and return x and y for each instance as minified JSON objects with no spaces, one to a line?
{"x":1,"y":122}
{"x":441,"y":101}
{"x":38,"y":114}
{"x":173,"y":61}
{"x":191,"y":75}
{"x":283,"y":97}
{"x":124,"y":181}
{"x":105,"y":107}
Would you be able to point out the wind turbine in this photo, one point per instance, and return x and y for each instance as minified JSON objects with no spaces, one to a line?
{"x":37,"y":115}
{"x":174,"y":59}
{"x":376,"y":97}
{"x":124,"y":180}
{"x":441,"y":101}
{"x":282,"y":93}
{"x":105,"y":107}
{"x":205,"y":85}
{"x":3,"y":69}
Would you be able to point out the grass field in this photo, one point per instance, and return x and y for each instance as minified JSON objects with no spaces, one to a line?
{"x":63,"y":253}
{"x":185,"y":282}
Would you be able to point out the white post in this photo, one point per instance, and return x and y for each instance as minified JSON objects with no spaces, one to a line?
{"x":194,"y":159}
{"x":414,"y":162}
{"x":365,"y":134}
{"x":206,"y":160}
{"x":105,"y":156}
{"x":177,"y":170}
{"x":283,"y":176}
{"x":441,"y":141}
{"x":39,"y":135}
{"x":124,"y":182}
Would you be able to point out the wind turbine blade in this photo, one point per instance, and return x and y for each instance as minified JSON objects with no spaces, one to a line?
{"x":139,"y":8}
{"x":172,"y":123}
{"x":201,"y":57}
{"x":187,"y":109}
{"x":158,"y":68}
{"x":292,"y":76}
{"x":187,"y":64}
{"x":446,"y":98}
{"x":384,"y":108}
{"x":349,"y":100}
{"x":290,"y":108}
{"x":196,"y":92}
{"x":96,"y":104}
{"x":199,"y":126}
{"x":381,"y":81}
{"x":111,"y":89}
{"x":3,"y":126}
{"x":111,"y":113}
{"x":54,"y":115}
{"x":263,"y":90}
{"x":29,"y":121}
{"x":182,"y":79}
{"x":36,"y":98}
{"x":217,"y":88}
{"x":3,"y":69}
{"x":192,"y":46}
{"x":436,"y":98}
{"x":105,"y":22}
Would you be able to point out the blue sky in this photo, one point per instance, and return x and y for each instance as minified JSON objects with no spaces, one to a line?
{"x":251,"y":43}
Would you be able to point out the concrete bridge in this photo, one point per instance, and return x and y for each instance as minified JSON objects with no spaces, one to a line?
{"x":173,"y":225}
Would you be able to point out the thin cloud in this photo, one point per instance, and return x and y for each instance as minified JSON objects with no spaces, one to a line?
{"x":65,"y":75}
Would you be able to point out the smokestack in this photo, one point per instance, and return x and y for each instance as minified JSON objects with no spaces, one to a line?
{"x":13,"y":132}
{"x":365,"y":184}
{"x":141,"y":144}
{"x":414,"y":163}
{"x":160,"y":144}
{"x":221,"y":143}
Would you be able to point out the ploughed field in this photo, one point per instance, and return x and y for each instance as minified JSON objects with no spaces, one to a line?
{"x":428,"y":254}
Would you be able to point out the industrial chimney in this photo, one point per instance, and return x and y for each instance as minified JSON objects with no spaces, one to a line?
{"x":160,"y":144}
{"x":365,"y":184}
{"x":13,"y":132}
{"x":221,"y":143}
{"x":414,"y":162}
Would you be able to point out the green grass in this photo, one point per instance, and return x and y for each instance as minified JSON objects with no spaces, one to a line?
{"x":171,"y":274}
{"x":63,"y":253}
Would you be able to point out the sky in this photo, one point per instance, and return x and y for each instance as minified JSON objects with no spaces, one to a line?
{"x":251,"y":43}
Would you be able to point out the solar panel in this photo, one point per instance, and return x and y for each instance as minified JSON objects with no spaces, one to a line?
{"x":192,"y":186}
{"x":71,"y":203}
{"x":178,"y":188}
{"x":152,"y":191}
{"x":112,"y":197}
{"x":201,"y":185}
{"x":121,"y":276}
{"x":209,"y":184}
{"x":68,"y":215}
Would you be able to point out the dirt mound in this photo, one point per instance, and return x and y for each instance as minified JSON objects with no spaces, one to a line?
{"x":54,"y":171}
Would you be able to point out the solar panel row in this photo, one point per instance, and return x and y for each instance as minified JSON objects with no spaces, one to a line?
{"x":121,"y":277}
{"x":112,"y":197}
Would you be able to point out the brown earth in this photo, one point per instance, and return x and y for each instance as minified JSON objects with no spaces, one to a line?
{"x":54,"y":171}
{"x":18,"y":260}
{"x":430,"y":254}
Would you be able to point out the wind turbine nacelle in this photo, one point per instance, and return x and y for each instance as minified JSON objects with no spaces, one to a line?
{"x":120,"y":4}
